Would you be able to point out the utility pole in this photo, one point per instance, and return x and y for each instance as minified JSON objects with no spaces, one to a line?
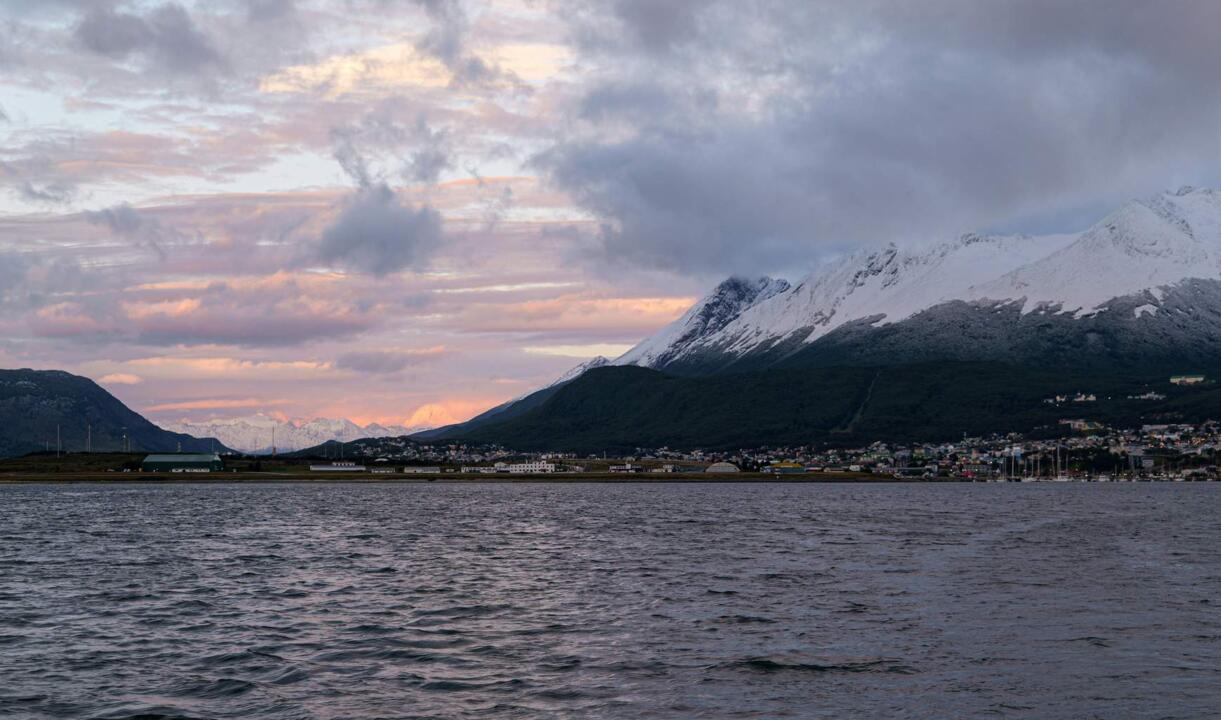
{"x":58,"y":444}
{"x":89,"y":438}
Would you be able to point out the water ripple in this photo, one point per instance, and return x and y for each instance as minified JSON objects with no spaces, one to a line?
{"x":290,"y":602}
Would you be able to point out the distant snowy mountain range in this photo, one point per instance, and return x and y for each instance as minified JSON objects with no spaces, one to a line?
{"x":1153,"y":265}
{"x":253,"y":434}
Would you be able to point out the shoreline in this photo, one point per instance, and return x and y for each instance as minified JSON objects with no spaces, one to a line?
{"x":444,"y":479}
{"x":564,"y":479}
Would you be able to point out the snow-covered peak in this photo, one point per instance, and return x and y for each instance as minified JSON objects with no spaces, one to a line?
{"x":254,"y":433}
{"x":1144,"y":245}
{"x":708,"y":316}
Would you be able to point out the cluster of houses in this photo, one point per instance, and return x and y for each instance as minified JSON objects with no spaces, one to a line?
{"x":1091,"y":451}
{"x":530,"y":467}
{"x":1151,"y":452}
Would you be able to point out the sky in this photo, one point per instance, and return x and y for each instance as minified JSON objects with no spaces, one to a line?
{"x":408,"y":211}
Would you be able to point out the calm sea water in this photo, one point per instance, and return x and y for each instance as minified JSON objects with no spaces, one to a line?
{"x":610,"y":601}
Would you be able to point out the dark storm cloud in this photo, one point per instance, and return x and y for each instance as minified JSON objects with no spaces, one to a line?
{"x":776,"y":133}
{"x":378,"y":234}
{"x":167,"y":34}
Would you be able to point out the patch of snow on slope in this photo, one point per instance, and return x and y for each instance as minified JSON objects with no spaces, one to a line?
{"x":1144,"y":246}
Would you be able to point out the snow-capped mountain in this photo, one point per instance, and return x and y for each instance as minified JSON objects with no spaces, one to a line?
{"x":253,"y":433}
{"x":705,"y":319}
{"x":1157,"y":259}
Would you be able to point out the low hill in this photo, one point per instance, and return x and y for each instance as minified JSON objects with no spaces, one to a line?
{"x":34,"y":402}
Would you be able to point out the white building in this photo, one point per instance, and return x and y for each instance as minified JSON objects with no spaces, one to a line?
{"x":425,"y":470}
{"x":338,"y":467}
{"x":531,"y":468}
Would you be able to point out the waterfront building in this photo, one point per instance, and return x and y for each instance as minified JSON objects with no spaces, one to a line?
{"x":340,"y":466}
{"x":531,"y":468}
{"x":182,"y":462}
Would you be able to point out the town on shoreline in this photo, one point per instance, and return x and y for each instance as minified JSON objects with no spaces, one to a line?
{"x":1172,"y":452}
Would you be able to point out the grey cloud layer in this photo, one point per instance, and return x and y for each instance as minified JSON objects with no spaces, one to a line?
{"x":737,"y":136}
{"x":708,"y":136}
{"x":380,"y":362}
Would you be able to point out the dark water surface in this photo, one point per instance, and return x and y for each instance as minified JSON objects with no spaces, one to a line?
{"x":610,"y":601}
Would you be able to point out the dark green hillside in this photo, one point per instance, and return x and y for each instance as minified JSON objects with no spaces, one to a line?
{"x":33,"y":402}
{"x":620,"y":408}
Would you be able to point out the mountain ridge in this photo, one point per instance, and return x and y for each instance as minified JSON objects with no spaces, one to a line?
{"x":1145,"y":248}
{"x":36,"y":406}
{"x":1119,"y":306}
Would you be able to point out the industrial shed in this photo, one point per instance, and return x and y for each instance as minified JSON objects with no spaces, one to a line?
{"x":182,"y":462}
